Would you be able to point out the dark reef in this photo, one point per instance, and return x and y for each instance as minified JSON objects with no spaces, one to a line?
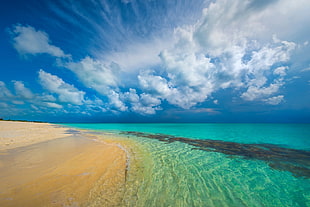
{"x":295,"y":161}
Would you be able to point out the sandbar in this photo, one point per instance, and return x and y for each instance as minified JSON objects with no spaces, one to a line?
{"x":46,"y":165}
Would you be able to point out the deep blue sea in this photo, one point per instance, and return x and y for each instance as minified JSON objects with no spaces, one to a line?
{"x":216,"y":164}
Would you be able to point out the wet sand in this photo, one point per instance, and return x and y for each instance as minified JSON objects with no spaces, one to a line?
{"x":54,"y":168}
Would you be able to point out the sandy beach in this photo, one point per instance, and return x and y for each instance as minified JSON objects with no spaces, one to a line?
{"x":45,"y":165}
{"x":15,"y":134}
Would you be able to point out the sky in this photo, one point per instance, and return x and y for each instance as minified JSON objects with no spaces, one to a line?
{"x":155,"y":60}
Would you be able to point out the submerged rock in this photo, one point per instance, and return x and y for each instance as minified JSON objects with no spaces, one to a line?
{"x":280,"y":158}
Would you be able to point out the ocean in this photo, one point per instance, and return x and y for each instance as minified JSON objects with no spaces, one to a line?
{"x":215,"y":164}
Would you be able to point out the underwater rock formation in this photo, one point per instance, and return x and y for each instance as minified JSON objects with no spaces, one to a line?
{"x":293,"y":160}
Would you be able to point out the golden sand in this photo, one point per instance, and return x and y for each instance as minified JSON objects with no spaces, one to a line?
{"x":67,"y":171}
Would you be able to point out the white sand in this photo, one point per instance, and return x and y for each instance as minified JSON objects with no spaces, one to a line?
{"x":18,"y":134}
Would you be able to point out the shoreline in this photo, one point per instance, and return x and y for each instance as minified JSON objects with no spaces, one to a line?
{"x":97,"y":167}
{"x":51,"y":165}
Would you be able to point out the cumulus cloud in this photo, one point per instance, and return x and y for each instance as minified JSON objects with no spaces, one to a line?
{"x":234,"y":23}
{"x":274,"y":100}
{"x":28,"y":40}
{"x":95,"y":74}
{"x":18,"y":102}
{"x":24,"y":96}
{"x":100,"y":77}
{"x":22,"y":91}
{"x":95,"y":105}
{"x":188,"y":75}
{"x":160,"y":87}
{"x":193,"y":75}
{"x":232,"y":46}
{"x":68,"y":98}
{"x":256,"y":92}
{"x":145,"y":55}
{"x":116,"y":102}
{"x":259,"y":68}
{"x":222,"y":51}
{"x":4,"y":91}
{"x":142,"y":104}
{"x":66,"y":93}
{"x":281,"y":71}
{"x":53,"y":105}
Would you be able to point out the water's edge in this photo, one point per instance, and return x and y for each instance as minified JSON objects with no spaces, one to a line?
{"x":178,"y":171}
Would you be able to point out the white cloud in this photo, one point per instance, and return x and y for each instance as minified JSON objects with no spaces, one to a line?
{"x":270,"y":54}
{"x":116,"y":102}
{"x":192,"y":76}
{"x":35,"y":108}
{"x":101,"y":77}
{"x":53,"y":105}
{"x":231,"y":23}
{"x":4,"y":91}
{"x":189,"y":75}
{"x":28,"y":40}
{"x":223,"y":24}
{"x":205,"y":110}
{"x":143,"y":104}
{"x":47,"y":97}
{"x":138,"y":55}
{"x":281,"y":71}
{"x":66,"y":93}
{"x":259,"y":68}
{"x":287,"y":19}
{"x":274,"y":100}
{"x":126,"y":1}
{"x":18,"y":102}
{"x":68,"y":97}
{"x":245,"y":46}
{"x":154,"y":84}
{"x":95,"y":105}
{"x":3,"y":106}
{"x":257,"y":92}
{"x":305,"y":69}
{"x":148,"y":100}
{"x":159,"y":87}
{"x":226,"y":49}
{"x":22,"y":91}
{"x":95,"y":74}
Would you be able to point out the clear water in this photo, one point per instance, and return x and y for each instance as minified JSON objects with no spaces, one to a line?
{"x":173,"y":174}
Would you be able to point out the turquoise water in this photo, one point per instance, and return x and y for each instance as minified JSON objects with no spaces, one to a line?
{"x":251,"y":165}
{"x":290,"y":135}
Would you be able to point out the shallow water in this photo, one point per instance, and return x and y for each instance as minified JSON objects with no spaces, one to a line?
{"x":291,"y":135}
{"x":174,"y":173}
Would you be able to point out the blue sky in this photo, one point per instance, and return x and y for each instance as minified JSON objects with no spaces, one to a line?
{"x":155,"y":60}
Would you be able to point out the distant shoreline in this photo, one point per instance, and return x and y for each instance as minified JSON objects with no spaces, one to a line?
{"x":22,"y":133}
{"x":216,"y":122}
{"x":22,"y":120}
